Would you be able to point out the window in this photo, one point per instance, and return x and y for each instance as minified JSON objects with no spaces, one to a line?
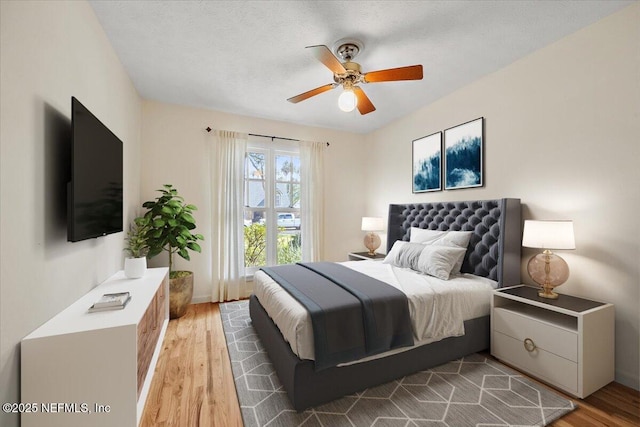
{"x":271,"y":223}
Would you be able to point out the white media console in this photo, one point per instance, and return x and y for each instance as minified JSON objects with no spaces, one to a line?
{"x":95,"y":369}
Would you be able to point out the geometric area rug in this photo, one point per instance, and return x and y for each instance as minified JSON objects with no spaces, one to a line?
{"x":472,"y":391}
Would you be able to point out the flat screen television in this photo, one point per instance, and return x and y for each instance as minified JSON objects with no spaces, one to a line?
{"x":94,"y":194}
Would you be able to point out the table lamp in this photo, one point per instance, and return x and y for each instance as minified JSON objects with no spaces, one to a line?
{"x":548,"y":269}
{"x":372,"y":240}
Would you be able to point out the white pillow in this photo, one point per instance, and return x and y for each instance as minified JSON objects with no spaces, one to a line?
{"x":426,"y":237}
{"x":434,"y":260}
{"x":436,"y":237}
{"x":404,"y":254}
{"x":393,"y":253}
{"x":459,"y":239}
{"x":440,"y":261}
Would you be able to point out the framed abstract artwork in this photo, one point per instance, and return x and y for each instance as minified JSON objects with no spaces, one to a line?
{"x":463,"y":163}
{"x":427,"y":163}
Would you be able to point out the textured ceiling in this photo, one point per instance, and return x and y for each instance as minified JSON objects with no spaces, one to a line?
{"x":248,"y":57}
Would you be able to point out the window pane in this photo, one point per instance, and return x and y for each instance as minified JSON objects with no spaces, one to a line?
{"x":289,"y":246}
{"x":253,"y":217}
{"x":287,"y":195}
{"x":295,"y":171}
{"x":294,"y":198}
{"x":255,"y":239}
{"x":288,"y":220}
{"x":283,"y":168}
{"x":283,"y":195}
{"x":254,"y":165}
{"x":254,"y":195}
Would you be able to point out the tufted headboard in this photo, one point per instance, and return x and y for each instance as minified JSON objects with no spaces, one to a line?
{"x":494,"y":249}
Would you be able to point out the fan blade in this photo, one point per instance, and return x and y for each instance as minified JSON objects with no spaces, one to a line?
{"x":324,"y":55}
{"x":312,"y":92}
{"x":413,"y":72}
{"x":364,"y":103}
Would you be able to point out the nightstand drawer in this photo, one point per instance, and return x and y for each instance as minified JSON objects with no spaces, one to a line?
{"x":545,"y":336}
{"x":547,"y":366}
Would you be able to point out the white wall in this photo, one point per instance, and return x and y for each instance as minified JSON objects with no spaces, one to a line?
{"x":49,"y":52}
{"x":174,"y":151}
{"x":561,"y":129}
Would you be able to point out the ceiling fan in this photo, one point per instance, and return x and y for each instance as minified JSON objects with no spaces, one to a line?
{"x":348,"y":74}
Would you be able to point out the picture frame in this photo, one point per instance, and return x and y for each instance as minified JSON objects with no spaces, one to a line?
{"x":463,"y":155}
{"x":426,"y":159}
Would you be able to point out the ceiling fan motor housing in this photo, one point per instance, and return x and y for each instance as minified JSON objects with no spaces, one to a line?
{"x":351,"y":77}
{"x":347,"y":51}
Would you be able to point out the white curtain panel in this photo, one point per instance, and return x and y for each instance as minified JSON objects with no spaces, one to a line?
{"x":227,"y":181}
{"x":312,"y":199}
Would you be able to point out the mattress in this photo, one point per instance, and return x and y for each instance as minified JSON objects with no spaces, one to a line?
{"x":438,"y":308}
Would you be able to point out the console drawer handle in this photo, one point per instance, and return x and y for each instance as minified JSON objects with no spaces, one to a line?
{"x":529,"y":345}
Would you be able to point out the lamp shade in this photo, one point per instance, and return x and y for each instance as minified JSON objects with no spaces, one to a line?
{"x":548,"y":235}
{"x":370,"y":223}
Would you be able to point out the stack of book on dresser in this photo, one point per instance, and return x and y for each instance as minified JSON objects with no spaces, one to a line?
{"x":115,"y":301}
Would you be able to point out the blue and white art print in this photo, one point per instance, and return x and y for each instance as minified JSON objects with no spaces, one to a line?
{"x":463,"y":147}
{"x":427,"y":163}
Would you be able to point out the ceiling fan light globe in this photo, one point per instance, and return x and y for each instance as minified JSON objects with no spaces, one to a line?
{"x":347,"y":101}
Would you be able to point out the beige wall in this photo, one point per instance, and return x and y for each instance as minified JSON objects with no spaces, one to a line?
{"x":175,"y":151}
{"x":49,"y":52}
{"x":561,"y":129}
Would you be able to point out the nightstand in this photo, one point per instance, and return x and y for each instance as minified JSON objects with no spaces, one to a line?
{"x":567,"y":343}
{"x":361,"y":256}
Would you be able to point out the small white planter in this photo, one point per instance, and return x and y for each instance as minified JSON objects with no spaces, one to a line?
{"x":135,"y":268}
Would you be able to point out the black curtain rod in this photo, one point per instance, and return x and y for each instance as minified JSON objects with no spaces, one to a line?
{"x":274,"y":137}
{"x":268,"y":136}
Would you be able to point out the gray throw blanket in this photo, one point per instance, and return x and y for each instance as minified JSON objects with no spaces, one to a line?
{"x":352,"y":315}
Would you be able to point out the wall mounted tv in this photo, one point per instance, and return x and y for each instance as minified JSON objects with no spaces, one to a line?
{"x":94,"y":195}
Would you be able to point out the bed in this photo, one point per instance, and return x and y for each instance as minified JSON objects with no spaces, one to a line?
{"x":493,"y":252}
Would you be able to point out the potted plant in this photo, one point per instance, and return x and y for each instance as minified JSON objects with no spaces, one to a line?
{"x":170,"y":223}
{"x":135,"y":264}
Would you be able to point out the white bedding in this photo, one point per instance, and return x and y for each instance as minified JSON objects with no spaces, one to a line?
{"x":437,"y":307}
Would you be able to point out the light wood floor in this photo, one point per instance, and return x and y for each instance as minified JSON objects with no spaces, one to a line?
{"x":193,"y":384}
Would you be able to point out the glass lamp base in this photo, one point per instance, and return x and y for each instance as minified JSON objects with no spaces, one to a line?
{"x":549,"y":271}
{"x":372,"y":242}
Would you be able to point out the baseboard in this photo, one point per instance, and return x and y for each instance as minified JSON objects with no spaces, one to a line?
{"x":201,"y":299}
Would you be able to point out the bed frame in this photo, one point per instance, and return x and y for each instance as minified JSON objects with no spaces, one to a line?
{"x":494,"y":252}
